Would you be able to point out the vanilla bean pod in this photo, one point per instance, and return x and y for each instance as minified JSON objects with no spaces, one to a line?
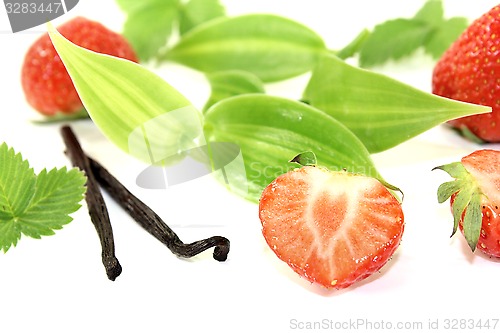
{"x":152,"y":223}
{"x":95,"y":202}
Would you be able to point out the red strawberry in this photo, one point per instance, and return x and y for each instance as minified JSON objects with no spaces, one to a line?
{"x":46,"y":83}
{"x":469,"y":71}
{"x":475,"y":199}
{"x":332,"y":228}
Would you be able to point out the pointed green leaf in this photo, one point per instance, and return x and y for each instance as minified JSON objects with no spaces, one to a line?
{"x":133,"y":107}
{"x":232,"y":83}
{"x":149,"y":24}
{"x":381,"y":111}
{"x":196,"y":12}
{"x":271,"y":130}
{"x":272,"y":47}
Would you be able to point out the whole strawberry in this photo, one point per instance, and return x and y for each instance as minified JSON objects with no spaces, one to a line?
{"x":475,"y":199}
{"x":469,"y":71}
{"x":45,"y":81}
{"x":332,"y":228}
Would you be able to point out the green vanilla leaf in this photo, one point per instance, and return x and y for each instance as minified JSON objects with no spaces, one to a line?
{"x":35,"y":205}
{"x":232,"y":83}
{"x":272,"y":47}
{"x":446,"y":33}
{"x":381,"y":111}
{"x":393,"y":39}
{"x":269,"y":131}
{"x":136,"y":109}
{"x":149,"y":24}
{"x":196,"y":12}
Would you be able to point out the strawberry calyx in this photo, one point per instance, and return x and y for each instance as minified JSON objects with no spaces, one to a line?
{"x":307,"y":158}
{"x":466,"y":196}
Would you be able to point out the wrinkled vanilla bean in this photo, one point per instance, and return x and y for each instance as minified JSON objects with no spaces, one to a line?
{"x":152,"y":223}
{"x":95,"y":202}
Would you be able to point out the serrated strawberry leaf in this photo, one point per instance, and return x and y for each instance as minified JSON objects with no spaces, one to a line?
{"x":35,"y":205}
{"x":57,"y":194}
{"x":398,"y":38}
{"x":17,"y":183}
{"x":444,"y":35}
{"x":384,"y":44}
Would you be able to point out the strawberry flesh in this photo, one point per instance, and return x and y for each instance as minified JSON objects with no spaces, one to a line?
{"x":332,"y":228}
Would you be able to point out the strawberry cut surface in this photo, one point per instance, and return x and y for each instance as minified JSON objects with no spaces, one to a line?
{"x":332,"y":228}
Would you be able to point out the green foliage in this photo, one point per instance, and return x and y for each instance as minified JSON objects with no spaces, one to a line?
{"x":35,"y":205}
{"x":398,"y":38}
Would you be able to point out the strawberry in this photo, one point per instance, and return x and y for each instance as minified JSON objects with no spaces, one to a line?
{"x":469,"y":71}
{"x":332,"y":228}
{"x":45,"y":81}
{"x":475,"y":199}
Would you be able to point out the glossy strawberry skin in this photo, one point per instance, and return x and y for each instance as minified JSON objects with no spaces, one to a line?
{"x":46,"y":83}
{"x":469,"y":71}
{"x":333,"y":253}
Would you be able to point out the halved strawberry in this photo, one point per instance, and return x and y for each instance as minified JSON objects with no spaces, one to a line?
{"x":332,"y":228}
{"x":475,"y":199}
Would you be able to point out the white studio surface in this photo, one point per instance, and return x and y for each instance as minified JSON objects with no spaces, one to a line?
{"x":58,"y":284}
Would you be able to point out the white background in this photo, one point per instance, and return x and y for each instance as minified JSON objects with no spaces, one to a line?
{"x":58,"y":284}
